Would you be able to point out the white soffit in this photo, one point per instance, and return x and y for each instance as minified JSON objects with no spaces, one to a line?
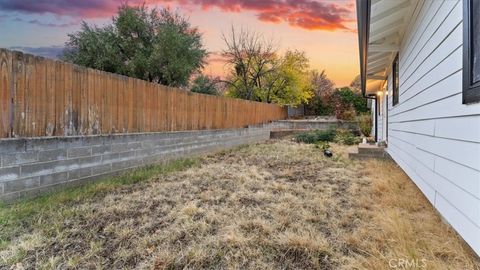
{"x":388,"y":21}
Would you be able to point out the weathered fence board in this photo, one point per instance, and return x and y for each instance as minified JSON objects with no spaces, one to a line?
{"x":43,"y":97}
{"x":6,"y":81}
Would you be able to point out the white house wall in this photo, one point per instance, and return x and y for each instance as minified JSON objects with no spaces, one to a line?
{"x":431,"y":134}
{"x":380,"y":119}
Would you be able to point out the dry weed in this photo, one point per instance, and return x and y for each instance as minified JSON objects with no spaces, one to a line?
{"x":278,"y":205}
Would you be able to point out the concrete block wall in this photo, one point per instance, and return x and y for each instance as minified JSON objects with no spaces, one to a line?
{"x":34,"y":165}
{"x":311,"y":124}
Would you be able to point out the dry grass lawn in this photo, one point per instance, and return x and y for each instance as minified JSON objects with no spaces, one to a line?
{"x":278,"y":205}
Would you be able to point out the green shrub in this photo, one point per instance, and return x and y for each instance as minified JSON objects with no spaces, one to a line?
{"x":316,"y":136}
{"x":325,"y":135}
{"x":346,"y":137}
{"x":319,"y":137}
{"x":365,"y":124}
{"x":322,"y":145}
{"x":306,"y":137}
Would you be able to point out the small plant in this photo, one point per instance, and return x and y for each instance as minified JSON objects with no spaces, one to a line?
{"x":341,"y":136}
{"x":365,"y":124}
{"x":306,"y":137}
{"x":346,"y":137}
{"x":348,"y":114}
{"x":312,"y":137}
{"x":326,"y":135}
{"x":322,"y":145}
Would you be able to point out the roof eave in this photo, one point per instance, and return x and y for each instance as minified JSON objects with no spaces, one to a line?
{"x":363,"y":21}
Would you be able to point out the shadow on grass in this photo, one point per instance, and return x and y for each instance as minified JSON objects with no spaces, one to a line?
{"x":19,"y":217}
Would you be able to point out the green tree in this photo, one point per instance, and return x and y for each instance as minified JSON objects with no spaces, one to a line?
{"x":155,"y":45}
{"x":259,"y":73}
{"x":288,"y":83}
{"x":347,"y":96}
{"x":205,"y":85}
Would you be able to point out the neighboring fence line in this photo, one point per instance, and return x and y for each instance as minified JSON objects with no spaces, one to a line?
{"x":43,"y":97}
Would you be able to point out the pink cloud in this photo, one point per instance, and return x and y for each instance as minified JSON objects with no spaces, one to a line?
{"x":306,"y":14}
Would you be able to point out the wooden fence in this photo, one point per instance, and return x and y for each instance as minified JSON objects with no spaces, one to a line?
{"x":44,"y":97}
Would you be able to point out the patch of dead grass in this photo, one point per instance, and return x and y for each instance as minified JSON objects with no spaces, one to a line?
{"x":405,"y":226}
{"x":265,"y":206}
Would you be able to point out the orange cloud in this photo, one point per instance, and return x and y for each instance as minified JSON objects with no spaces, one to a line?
{"x":306,"y":14}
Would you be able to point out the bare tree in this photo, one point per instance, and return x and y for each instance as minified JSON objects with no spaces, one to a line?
{"x":252,"y":57}
{"x":322,"y":85}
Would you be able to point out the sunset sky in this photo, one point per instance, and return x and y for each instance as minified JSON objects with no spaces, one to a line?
{"x":324,"y":29}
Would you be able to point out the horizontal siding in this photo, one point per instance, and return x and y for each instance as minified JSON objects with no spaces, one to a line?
{"x":447,"y":17}
{"x":432,"y":89}
{"x":402,"y":160}
{"x":464,"y":177}
{"x":431,"y":134}
{"x":462,"y":152}
{"x":459,"y":128}
{"x":416,"y":32}
{"x":455,"y":194}
{"x":426,"y":127}
{"x":462,"y":225}
{"x":444,"y":108}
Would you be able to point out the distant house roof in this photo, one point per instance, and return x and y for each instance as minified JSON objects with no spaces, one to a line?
{"x":381,"y":25}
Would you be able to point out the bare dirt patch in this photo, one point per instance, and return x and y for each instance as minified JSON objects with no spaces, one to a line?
{"x":278,"y":205}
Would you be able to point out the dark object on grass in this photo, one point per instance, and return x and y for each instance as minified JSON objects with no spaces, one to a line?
{"x":327,"y":153}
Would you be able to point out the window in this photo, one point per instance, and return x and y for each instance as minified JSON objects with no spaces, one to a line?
{"x":471,"y":51}
{"x":395,"y":81}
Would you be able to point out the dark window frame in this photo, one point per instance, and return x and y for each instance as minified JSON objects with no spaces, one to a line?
{"x":395,"y":85}
{"x":471,"y":91}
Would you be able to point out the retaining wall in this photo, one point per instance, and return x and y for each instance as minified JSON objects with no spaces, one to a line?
{"x":312,"y":124}
{"x":34,"y":165}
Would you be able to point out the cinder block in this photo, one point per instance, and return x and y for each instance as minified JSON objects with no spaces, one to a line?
{"x":10,"y":146}
{"x":18,"y":158}
{"x":102,"y":169}
{"x":79,"y":173}
{"x":9,"y":173}
{"x":20,"y":184}
{"x":100,"y":149}
{"x":125,"y":164}
{"x":79,"y":152}
{"x":119,"y":138}
{"x":135,"y":163}
{"x":49,"y":155}
{"x":54,"y":178}
{"x":123,"y":147}
{"x":45,"y":168}
{"x":82,"y":162}
{"x":38,"y":168}
{"x":110,"y":157}
{"x":39,"y":144}
{"x":152,"y":159}
{"x":76,"y":160}
{"x":149,"y":144}
{"x":97,"y":140}
{"x":145,"y":152}
{"x":119,"y":165}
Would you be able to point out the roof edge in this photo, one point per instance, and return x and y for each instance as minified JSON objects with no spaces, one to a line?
{"x":363,"y":22}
